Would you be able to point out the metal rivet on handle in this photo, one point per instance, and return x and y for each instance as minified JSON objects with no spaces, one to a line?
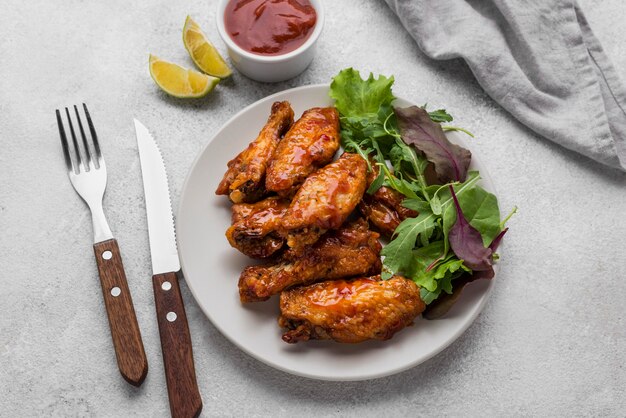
{"x":171,"y":316}
{"x":116,"y":291}
{"x":107,"y":255}
{"x":166,"y":286}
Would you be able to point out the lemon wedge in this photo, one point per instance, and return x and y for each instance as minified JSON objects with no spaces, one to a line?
{"x":180,"y":82}
{"x":202,"y":51}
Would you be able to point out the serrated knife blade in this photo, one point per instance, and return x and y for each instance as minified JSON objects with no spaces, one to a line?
{"x":180,"y":372}
{"x":161,"y":230}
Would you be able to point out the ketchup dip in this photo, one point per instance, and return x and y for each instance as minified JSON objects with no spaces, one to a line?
{"x":269,"y":27}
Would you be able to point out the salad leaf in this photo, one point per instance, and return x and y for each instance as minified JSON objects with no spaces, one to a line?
{"x":496,"y":241}
{"x":443,"y":303}
{"x":440,"y":115}
{"x":452,"y":269}
{"x":377,"y":183}
{"x":416,"y":128}
{"x":357,"y":97}
{"x":467,"y":243}
{"x":399,"y":252}
{"x":404,"y":145}
{"x":365,"y":107}
{"x":448,"y":219}
{"x":480,"y":209}
{"x":431,"y":272}
{"x":418,"y":204}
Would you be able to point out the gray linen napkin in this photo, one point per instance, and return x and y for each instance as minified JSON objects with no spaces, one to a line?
{"x":538,"y":59}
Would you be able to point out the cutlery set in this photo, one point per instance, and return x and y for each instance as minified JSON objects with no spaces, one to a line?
{"x":88,"y":175}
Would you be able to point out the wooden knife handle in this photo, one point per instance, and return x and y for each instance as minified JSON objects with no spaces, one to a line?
{"x":180,"y":373}
{"x":131,"y":357}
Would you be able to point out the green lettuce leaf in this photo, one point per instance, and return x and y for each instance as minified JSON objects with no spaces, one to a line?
{"x":357,"y":97}
{"x":440,"y":116}
{"x":433,"y":273}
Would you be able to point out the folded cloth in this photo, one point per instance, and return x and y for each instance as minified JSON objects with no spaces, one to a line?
{"x":538,"y":59}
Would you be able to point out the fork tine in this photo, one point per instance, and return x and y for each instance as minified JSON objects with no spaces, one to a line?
{"x":79,"y":160}
{"x":64,"y":144}
{"x":82,"y":134}
{"x":94,"y":137}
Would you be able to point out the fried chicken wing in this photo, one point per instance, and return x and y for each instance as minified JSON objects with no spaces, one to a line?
{"x":310,"y":143}
{"x":254,"y":226}
{"x":384,"y":209}
{"x":244,"y":180}
{"x":325,"y":200}
{"x":349,"y":311}
{"x":349,"y":251}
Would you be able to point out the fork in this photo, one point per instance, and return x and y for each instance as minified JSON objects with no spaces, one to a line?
{"x":88,"y":176}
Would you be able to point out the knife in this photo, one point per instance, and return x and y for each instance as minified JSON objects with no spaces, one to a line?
{"x":180,"y":373}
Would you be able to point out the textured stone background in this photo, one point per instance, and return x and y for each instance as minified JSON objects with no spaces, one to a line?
{"x":551,"y":340}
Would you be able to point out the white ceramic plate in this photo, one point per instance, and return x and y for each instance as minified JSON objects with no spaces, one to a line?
{"x":212,"y":268}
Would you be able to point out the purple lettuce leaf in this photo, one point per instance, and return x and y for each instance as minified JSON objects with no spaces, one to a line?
{"x":496,"y":241}
{"x":484,"y":274}
{"x":467,"y":243}
{"x":416,"y":128}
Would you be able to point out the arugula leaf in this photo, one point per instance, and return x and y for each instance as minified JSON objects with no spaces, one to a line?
{"x":440,"y":115}
{"x":435,"y":205}
{"x":357,"y":97}
{"x":377,"y":183}
{"x":398,"y":253}
{"x":416,"y":128}
{"x":406,"y":188}
{"x":416,"y":204}
{"x":352,"y":145}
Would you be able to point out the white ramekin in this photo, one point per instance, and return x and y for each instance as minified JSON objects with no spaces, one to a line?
{"x":271,"y":68}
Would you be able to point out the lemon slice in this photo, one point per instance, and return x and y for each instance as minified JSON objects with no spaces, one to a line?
{"x":202,"y":51}
{"x":180,"y":82}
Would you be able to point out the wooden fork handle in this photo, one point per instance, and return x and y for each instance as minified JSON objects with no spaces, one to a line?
{"x":180,"y":373}
{"x":131,"y":357}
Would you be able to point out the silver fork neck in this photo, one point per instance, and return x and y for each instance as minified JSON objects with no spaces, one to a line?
{"x":101,"y":230}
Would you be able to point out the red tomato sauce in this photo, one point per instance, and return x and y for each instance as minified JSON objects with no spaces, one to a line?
{"x":269,"y":27}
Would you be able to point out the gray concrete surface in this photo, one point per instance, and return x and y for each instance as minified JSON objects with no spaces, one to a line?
{"x":550,"y":342}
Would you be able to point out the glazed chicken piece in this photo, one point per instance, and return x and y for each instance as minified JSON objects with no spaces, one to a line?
{"x":310,"y":143}
{"x":244,"y":180}
{"x":254,"y":226}
{"x":350,"y":251}
{"x":325,"y":200}
{"x":384,"y":209}
{"x":349,"y":311}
